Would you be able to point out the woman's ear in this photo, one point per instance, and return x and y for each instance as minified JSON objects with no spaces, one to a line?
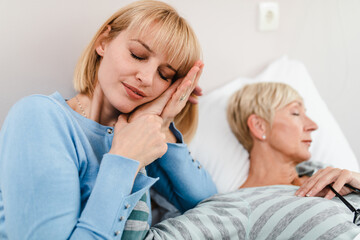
{"x":257,"y":126}
{"x":101,"y":41}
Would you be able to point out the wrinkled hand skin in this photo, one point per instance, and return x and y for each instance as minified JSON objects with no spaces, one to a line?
{"x":316,"y":185}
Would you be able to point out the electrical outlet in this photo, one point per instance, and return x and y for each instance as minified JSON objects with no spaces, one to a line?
{"x":268,"y":16}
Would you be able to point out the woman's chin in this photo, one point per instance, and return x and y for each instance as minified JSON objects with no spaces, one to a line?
{"x":126,"y":108}
{"x":302,"y":158}
{"x":306,"y":157}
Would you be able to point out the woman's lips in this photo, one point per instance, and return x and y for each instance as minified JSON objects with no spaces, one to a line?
{"x":134,"y":92}
{"x":308,"y":142}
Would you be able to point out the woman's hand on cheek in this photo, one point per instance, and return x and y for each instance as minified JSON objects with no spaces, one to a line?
{"x":173,"y":100}
{"x":317,"y":184}
{"x":156,"y":106}
{"x":140,"y":140}
{"x":187,"y":86}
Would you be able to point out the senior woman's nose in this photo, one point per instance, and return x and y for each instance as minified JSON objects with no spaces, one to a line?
{"x":310,"y":124}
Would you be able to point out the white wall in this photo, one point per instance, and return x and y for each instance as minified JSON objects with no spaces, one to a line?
{"x":41,"y":40}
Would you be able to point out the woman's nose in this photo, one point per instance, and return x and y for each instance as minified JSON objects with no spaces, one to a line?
{"x":146,"y":75}
{"x":310,"y":124}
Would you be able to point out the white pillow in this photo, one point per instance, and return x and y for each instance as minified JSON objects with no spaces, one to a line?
{"x":224,"y":157}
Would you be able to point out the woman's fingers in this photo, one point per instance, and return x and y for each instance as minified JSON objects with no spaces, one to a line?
{"x":157,"y":106}
{"x":327,"y":177}
{"x":197,"y":91}
{"x":166,"y":96}
{"x":305,"y":187}
{"x":196,"y":78}
{"x":345,"y":176}
{"x":193,"y":99}
{"x":183,"y":92}
{"x":192,"y":77}
{"x":121,"y":122}
{"x":317,"y":184}
{"x":143,"y":132}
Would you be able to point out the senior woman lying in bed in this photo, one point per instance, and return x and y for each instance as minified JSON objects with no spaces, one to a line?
{"x":269,"y":119}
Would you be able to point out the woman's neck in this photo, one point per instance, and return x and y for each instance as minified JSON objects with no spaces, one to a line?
{"x":100,"y":109}
{"x":268,"y":167}
{"x":96,"y":108}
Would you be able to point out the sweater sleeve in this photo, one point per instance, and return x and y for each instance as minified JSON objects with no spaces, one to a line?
{"x":40,"y":179}
{"x":183,"y":181}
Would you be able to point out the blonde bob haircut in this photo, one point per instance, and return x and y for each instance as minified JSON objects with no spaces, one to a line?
{"x":173,"y":34}
{"x":261,"y":99}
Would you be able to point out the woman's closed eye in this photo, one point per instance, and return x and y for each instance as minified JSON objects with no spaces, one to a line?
{"x":163,"y":72}
{"x":295,"y":111}
{"x":137,"y":57}
{"x":165,"y":77}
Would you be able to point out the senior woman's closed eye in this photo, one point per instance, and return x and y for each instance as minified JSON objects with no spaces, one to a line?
{"x":291,"y":130}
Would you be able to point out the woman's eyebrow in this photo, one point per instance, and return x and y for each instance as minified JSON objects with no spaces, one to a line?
{"x":173,"y":69}
{"x":298,"y":103}
{"x":151,"y":51}
{"x":144,"y":44}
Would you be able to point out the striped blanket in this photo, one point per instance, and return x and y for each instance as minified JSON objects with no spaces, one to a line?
{"x":271,"y":212}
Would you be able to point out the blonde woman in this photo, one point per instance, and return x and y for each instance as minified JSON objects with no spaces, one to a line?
{"x":270,"y":121}
{"x":75,"y":169}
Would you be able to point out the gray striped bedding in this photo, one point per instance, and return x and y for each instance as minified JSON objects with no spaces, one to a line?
{"x":271,"y":212}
